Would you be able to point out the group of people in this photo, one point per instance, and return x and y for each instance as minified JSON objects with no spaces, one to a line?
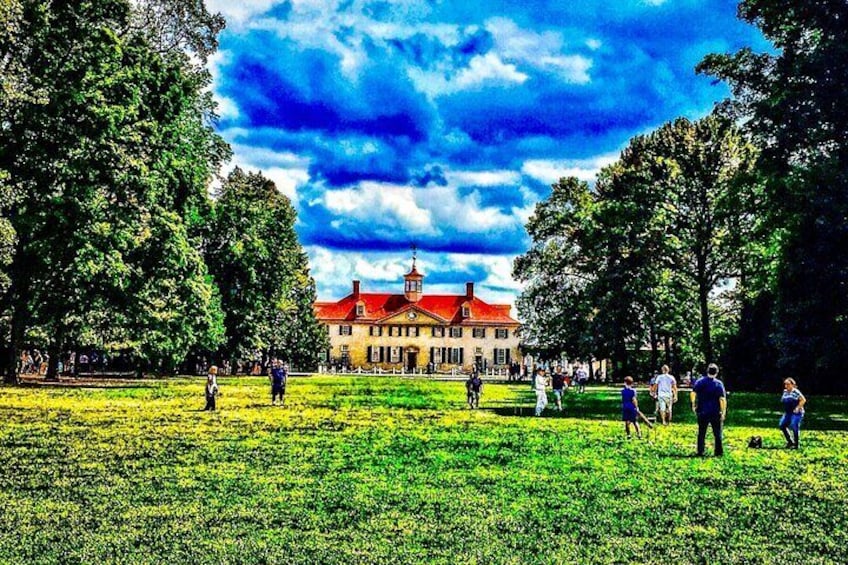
{"x":709,"y":403}
{"x":708,"y":398}
{"x":278,"y":373}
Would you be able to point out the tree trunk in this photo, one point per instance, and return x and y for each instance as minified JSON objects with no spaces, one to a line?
{"x":706,"y":340}
{"x":54,"y":351}
{"x":669,"y":354}
{"x":655,"y":348}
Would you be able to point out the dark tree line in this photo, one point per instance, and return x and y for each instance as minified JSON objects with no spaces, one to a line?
{"x":719,"y":240}
{"x":107,"y":149}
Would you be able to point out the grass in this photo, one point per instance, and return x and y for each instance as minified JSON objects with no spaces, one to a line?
{"x":386,"y":470}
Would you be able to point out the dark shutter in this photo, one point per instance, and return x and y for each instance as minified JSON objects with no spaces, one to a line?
{"x":369,"y":354}
{"x":382,"y":354}
{"x":508,"y":360}
{"x":461,"y":352}
{"x":433,"y":355}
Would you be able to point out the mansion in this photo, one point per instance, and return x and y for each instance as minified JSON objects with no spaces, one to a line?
{"x":415,"y":331}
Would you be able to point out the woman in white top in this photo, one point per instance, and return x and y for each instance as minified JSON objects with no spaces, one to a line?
{"x":540,"y":385}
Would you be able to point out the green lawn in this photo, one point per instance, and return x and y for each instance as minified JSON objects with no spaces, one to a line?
{"x":386,"y":470}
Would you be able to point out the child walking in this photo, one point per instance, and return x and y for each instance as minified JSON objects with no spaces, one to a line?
{"x":630,"y":408}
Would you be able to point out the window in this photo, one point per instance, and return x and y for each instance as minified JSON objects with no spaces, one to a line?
{"x":394,"y":355}
{"x":345,"y":350}
{"x":345,"y":330}
{"x":395,"y":331}
{"x":436,"y":356}
{"x":413,"y":286}
{"x":456,"y":332}
{"x":501,"y":333}
{"x":501,"y":356}
{"x":375,"y":330}
{"x":412,"y":331}
{"x":466,"y":312}
{"x":478,"y":332}
{"x":360,"y":309}
{"x":374,"y":354}
{"x":455,"y":355}
{"x":438,"y":331}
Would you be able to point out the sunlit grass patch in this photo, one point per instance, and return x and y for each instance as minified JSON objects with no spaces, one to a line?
{"x":398,"y":470}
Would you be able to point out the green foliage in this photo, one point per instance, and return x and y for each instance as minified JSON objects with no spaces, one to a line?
{"x":793,"y":102}
{"x":263,"y":273}
{"x":387,"y":470}
{"x":642,"y":258}
{"x":110,"y":164}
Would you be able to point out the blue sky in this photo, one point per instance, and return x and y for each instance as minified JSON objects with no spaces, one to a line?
{"x":443,"y":123}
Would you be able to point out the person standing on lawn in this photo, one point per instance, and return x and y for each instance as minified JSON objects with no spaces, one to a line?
{"x":582,"y":377}
{"x":709,"y":402}
{"x":558,"y":385}
{"x":630,"y":408}
{"x":473,"y":389}
{"x":211,"y":388}
{"x":540,"y":385}
{"x":666,"y":391}
{"x":278,"y":377}
{"x":793,"y":412}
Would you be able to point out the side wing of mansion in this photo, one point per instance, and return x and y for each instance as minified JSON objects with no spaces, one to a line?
{"x":417,"y":331}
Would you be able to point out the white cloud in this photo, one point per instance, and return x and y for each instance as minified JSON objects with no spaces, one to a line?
{"x":381,"y":205}
{"x":550,"y":171}
{"x":237,"y":13}
{"x":464,"y":214}
{"x":542,"y":51}
{"x":488,"y":68}
{"x":482,"y":178}
{"x":572,"y":68}
{"x":594,"y":44}
{"x":334,"y":270}
{"x":288,"y":171}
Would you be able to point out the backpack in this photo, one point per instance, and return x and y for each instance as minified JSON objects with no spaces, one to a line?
{"x":755,"y":442}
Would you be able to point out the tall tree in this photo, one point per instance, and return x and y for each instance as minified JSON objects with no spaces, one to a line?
{"x":111,"y":164}
{"x":794,"y":100}
{"x":263,"y":273}
{"x":554,"y":306}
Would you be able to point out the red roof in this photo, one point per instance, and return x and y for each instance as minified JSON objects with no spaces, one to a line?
{"x":447,"y":308}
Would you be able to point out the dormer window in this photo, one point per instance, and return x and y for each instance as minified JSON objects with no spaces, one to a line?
{"x":360,"y":309}
{"x":466,"y":311}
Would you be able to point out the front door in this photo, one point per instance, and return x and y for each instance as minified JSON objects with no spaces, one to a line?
{"x":411,"y":360}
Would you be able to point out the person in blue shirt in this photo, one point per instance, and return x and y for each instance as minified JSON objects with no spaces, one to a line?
{"x":709,"y":402}
{"x":630,"y":408}
{"x":793,"y":412}
{"x":473,"y":389}
{"x":278,"y":376}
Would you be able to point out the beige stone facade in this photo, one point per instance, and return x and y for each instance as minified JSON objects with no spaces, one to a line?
{"x":416,"y":331}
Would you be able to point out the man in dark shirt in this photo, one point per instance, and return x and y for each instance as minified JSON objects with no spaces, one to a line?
{"x":474,"y":387}
{"x":278,"y":381}
{"x":558,"y":384}
{"x":709,"y":402}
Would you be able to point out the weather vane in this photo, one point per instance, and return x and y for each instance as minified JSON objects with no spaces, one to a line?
{"x":414,"y":254}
